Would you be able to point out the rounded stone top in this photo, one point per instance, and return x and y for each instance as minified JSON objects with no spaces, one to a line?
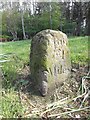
{"x":49,"y":34}
{"x":48,"y":31}
{"x":52,"y":32}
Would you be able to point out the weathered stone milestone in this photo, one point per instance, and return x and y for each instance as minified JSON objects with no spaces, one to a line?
{"x":49,"y":59}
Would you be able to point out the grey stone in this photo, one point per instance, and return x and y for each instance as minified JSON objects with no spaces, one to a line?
{"x":49,"y":59}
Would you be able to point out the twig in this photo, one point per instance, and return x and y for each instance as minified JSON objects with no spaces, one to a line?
{"x":79,"y":96}
{"x":28,"y":101}
{"x":76,"y":110}
{"x":30,"y":115}
{"x":85,"y":97}
{"x":48,"y":110}
{"x":85,"y":87}
{"x":57,"y":103}
{"x":71,"y":115}
{"x":54,"y":108}
{"x":83,"y":80}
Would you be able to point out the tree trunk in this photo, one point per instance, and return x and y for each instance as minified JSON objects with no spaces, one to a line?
{"x":88,"y":21}
{"x":79,"y":19}
{"x":78,"y":29}
{"x":23,"y":28}
{"x":50,"y":14}
{"x":22,"y":19}
{"x":14,"y":34}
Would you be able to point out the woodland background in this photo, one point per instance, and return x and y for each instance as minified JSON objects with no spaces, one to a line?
{"x":24,"y":20}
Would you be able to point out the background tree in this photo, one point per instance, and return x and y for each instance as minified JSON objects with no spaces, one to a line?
{"x":25,"y":19}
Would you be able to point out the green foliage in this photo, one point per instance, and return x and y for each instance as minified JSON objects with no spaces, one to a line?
{"x":46,"y":14}
{"x":38,"y":22}
{"x":11,"y":21}
{"x":4,"y":23}
{"x":68,"y":27}
{"x":10,"y":103}
{"x":6,"y":36}
{"x":10,"y":72}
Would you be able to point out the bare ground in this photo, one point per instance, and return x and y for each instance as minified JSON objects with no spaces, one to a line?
{"x":60,"y":103}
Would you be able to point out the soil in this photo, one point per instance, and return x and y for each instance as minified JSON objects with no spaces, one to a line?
{"x":35,"y":104}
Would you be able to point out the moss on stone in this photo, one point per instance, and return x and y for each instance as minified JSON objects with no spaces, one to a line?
{"x":49,"y":52}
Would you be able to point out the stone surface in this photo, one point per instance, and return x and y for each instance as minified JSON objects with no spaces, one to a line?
{"x":49,"y":59}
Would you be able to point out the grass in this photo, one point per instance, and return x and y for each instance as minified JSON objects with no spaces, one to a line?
{"x":79,"y":50}
{"x":18,"y":54}
{"x":11,"y":106}
{"x":20,"y":49}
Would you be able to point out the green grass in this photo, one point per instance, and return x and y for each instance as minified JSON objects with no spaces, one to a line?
{"x":11,"y":105}
{"x":20,"y":49}
{"x":79,"y":50}
{"x":18,"y":53}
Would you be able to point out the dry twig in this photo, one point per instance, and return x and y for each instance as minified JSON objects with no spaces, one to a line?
{"x":75,"y":110}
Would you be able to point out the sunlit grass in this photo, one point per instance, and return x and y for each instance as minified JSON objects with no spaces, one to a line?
{"x":79,"y":50}
{"x":11,"y":105}
{"x":19,"y":48}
